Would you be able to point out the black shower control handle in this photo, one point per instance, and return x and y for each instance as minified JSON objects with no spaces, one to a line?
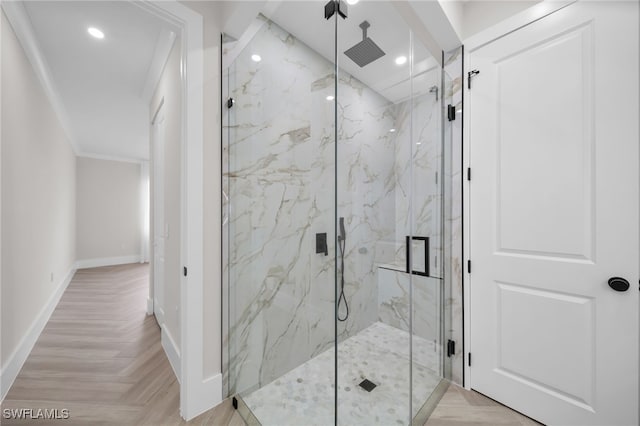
{"x":321,"y":243}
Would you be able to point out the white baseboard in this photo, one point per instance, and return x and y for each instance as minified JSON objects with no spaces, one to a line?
{"x":149,"y":306}
{"x":107,"y":261}
{"x":208,"y":396}
{"x":172,"y":351}
{"x":17,"y":359}
{"x":159,"y":312}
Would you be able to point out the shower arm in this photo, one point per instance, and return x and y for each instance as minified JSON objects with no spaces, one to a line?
{"x":364,"y":25}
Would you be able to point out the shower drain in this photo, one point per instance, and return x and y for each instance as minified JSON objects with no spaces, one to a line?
{"x":367,"y":385}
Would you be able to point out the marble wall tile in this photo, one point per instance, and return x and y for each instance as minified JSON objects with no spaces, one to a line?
{"x":279,"y":172}
{"x":393,"y":301}
{"x":280,"y":177}
{"x":365,"y":194}
{"x":280,"y":291}
{"x":418,"y":160}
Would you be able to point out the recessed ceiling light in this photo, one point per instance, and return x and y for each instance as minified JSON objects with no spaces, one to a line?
{"x":95,"y":32}
{"x":256,"y":58}
{"x":330,"y":98}
{"x":392,"y":130}
{"x":352,"y":2}
{"x":400,"y":60}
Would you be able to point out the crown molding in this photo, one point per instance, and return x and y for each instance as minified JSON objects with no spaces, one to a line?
{"x":513,"y":23}
{"x":164,"y":44}
{"x":96,"y":156}
{"x":23,"y":28}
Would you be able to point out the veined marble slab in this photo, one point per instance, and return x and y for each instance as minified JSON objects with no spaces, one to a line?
{"x":394,"y":305}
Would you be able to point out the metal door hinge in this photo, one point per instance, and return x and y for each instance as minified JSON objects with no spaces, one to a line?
{"x":334,"y":6}
{"x":451,"y":348}
{"x":471,"y":74}
{"x":469,"y":266}
{"x":469,"y":173}
{"x":451,"y":112}
{"x":184,"y":271}
{"x":230,"y":103}
{"x":469,"y":359}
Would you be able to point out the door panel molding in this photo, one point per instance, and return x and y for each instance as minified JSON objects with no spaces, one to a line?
{"x":583,"y":245}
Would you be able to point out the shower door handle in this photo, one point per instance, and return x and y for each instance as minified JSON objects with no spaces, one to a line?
{"x":427,"y":257}
{"x":408,"y":255}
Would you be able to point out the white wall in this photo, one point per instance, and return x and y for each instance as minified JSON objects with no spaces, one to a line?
{"x":212,"y":301}
{"x":2,"y":381}
{"x":170,"y":89}
{"x":455,"y":14}
{"x":212,"y":200}
{"x":38,"y":202}
{"x":211,"y":154}
{"x":472,"y":16}
{"x":108,"y":211}
{"x":480,"y":15}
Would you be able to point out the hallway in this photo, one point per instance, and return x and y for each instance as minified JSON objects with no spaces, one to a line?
{"x":100,"y":357}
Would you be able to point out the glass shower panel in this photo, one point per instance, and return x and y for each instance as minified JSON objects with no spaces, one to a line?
{"x":452,"y":190}
{"x":279,"y":177}
{"x":388,"y":131}
{"x":333,"y":217}
{"x":427,"y":222}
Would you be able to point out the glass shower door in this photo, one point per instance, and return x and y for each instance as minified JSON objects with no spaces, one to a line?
{"x":389,"y":198}
{"x":279,"y":176}
{"x":333,"y":201}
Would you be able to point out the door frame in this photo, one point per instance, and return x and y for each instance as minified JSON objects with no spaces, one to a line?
{"x":472,"y":44}
{"x":153,"y":192}
{"x":197,"y":392}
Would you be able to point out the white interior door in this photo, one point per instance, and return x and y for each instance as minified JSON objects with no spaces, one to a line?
{"x":159,"y":233}
{"x":554,"y":214}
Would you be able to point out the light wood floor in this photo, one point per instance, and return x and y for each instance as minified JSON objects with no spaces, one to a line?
{"x":100,"y":358}
{"x":460,"y":407}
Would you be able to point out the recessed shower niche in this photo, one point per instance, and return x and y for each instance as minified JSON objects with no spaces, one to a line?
{"x":328,"y":133}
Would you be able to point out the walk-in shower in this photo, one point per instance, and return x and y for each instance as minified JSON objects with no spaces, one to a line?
{"x":334,"y":239}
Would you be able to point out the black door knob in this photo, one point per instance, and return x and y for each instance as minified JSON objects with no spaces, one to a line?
{"x":618,"y":284}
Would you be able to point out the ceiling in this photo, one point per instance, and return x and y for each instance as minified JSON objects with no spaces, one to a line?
{"x":101,"y":83}
{"x":305,"y":20}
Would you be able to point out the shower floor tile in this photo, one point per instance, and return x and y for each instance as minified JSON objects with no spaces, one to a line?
{"x":379,"y":353}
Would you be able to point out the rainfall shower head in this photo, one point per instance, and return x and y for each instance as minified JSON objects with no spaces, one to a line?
{"x":366,"y":51}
